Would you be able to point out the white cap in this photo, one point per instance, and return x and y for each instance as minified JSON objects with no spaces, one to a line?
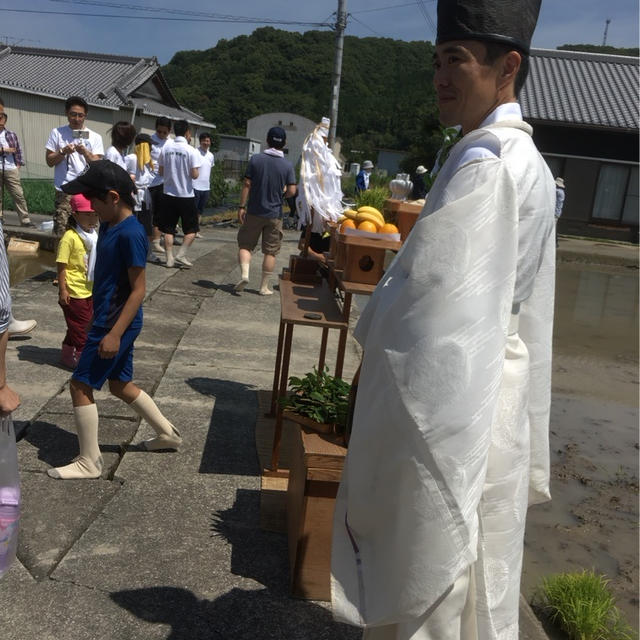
{"x":560,"y":182}
{"x":420,"y":170}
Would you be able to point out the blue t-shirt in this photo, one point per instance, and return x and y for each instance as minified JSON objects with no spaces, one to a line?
{"x":269,"y":176}
{"x":119,"y":247}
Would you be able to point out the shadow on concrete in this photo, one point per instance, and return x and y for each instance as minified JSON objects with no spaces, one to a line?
{"x":230,"y":445}
{"x":41,"y":355}
{"x":208,"y":284}
{"x":256,"y":554}
{"x":55,"y":446}
{"x":236,"y":615}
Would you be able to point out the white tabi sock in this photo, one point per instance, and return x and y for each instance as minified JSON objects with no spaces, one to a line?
{"x":89,"y":463}
{"x":168,"y":436}
{"x":244,"y":277}
{"x":264,"y":287}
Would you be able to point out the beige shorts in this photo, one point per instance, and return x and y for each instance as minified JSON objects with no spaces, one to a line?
{"x":271,"y":230}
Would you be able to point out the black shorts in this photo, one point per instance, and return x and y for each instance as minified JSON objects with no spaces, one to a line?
{"x":156,"y":199}
{"x":173,"y":209}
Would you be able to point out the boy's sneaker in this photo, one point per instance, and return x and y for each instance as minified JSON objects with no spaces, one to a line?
{"x":184,"y":262}
{"x":170,"y":262}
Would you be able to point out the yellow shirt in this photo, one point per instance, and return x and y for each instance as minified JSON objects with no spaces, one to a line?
{"x":72,"y":252}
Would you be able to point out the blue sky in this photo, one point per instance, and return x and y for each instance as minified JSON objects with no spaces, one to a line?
{"x":561,"y":21}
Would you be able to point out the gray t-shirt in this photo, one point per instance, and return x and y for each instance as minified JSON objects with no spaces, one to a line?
{"x":269,"y":176}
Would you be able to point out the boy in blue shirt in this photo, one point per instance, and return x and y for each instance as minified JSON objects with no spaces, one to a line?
{"x":118,"y":292}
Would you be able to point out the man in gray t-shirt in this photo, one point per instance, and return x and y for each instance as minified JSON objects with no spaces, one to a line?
{"x":268,"y":179}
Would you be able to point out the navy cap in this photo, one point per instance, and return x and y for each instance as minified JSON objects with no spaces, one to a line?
{"x":276,"y":137}
{"x":101,"y":176}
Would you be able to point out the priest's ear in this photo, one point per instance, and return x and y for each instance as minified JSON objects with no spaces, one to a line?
{"x":509,"y":67}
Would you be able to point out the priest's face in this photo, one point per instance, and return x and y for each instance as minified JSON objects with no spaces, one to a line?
{"x":467,"y":87}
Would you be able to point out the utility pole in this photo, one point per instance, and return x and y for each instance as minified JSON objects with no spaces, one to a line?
{"x":606,"y":30}
{"x":341,"y":23}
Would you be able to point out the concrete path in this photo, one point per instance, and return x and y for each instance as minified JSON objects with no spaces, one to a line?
{"x":164,"y":546}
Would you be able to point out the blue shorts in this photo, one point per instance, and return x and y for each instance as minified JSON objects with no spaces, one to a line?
{"x":94,"y":370}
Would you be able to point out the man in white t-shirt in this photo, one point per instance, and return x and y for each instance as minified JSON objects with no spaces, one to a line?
{"x":202,"y":185}
{"x":179,"y":165}
{"x":68,"y":150}
{"x":158,"y":140}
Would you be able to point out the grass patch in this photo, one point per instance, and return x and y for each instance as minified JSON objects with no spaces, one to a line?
{"x":582,"y":606}
{"x":39,"y":194}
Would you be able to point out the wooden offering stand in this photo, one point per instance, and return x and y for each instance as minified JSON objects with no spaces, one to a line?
{"x":316,"y":468}
{"x":404,"y":213}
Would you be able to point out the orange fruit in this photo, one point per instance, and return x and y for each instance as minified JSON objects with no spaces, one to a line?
{"x":347,"y":224}
{"x":365,"y":225}
{"x":389,"y":228}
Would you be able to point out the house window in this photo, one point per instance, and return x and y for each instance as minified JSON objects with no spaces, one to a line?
{"x":613,"y":192}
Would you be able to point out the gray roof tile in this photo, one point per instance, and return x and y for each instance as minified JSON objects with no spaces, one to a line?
{"x":101,"y":79}
{"x":579,"y":88}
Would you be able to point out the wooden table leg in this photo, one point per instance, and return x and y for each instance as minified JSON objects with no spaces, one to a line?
{"x":276,"y":371}
{"x":342,"y":340}
{"x":323,"y":350}
{"x":282,"y":392}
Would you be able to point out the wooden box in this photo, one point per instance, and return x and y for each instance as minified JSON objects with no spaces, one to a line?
{"x":304,"y":270}
{"x":316,"y":466}
{"x":404,"y":213}
{"x":364,"y":258}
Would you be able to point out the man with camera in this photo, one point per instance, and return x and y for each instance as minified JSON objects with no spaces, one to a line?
{"x":69,"y":149}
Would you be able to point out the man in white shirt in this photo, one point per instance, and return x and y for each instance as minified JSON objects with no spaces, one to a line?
{"x":179,"y":165}
{"x":69,"y":149}
{"x":451,"y":422}
{"x":158,"y":140}
{"x":202,"y":185}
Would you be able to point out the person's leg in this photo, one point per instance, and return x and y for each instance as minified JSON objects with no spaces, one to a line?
{"x":156,"y":196}
{"x":167,"y":436}
{"x":88,"y":464}
{"x":248,"y":235}
{"x":169,"y":214}
{"x":189,"y":220}
{"x":268,"y":265}
{"x":12,"y":180}
{"x":244,"y":260}
{"x":271,"y":243}
{"x":62,"y":213}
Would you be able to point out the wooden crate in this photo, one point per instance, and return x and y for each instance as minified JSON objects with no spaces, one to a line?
{"x":404,"y":213}
{"x":364,"y":258}
{"x":316,"y":466}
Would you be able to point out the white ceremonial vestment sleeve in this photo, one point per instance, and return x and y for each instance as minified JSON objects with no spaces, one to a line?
{"x":406,"y":521}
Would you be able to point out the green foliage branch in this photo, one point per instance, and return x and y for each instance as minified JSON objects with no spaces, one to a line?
{"x":319,"y":396}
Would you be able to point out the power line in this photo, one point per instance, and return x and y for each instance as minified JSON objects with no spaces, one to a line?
{"x":425,"y":14}
{"x":217,"y":17}
{"x":194,"y":19}
{"x":366,"y":26}
{"x":392,"y":6}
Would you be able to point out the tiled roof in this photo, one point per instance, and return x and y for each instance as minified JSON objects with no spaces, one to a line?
{"x":582,"y":89}
{"x":101,"y":79}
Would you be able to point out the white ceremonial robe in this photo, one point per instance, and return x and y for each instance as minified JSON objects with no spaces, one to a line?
{"x":320,"y":183}
{"x":450,"y":438}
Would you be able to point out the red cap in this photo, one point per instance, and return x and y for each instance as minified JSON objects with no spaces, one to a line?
{"x":80,"y":202}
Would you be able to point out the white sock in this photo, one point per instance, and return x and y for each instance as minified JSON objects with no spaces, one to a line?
{"x":89,"y":463}
{"x":168,"y":436}
{"x":182,"y":253}
{"x":244,"y":276}
{"x":264,"y":286}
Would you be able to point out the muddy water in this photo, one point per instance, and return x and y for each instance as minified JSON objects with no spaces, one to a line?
{"x":592,"y":519}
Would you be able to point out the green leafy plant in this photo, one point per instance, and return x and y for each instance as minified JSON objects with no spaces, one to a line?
{"x":319,"y":396}
{"x":582,"y":606}
{"x":373,"y":197}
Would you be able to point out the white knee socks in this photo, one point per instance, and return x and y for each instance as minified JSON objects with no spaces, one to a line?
{"x":89,"y":463}
{"x":244,"y":277}
{"x":168,"y":436}
{"x":264,"y":286}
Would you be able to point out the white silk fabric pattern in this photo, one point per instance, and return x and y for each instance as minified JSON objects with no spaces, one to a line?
{"x":320,"y":186}
{"x":447,"y":397}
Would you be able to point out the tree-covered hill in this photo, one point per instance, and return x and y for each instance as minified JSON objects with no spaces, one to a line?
{"x":386,"y":94}
{"x":598,"y":48}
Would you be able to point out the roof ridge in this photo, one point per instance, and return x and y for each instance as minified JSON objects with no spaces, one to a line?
{"x":85,"y":55}
{"x":585,"y":55}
